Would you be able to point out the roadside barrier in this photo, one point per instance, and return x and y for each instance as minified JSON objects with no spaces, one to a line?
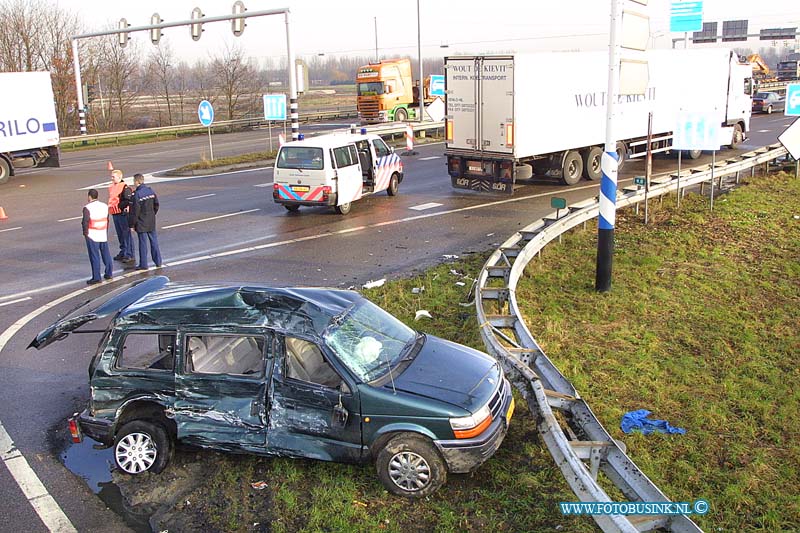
{"x":579,"y":444}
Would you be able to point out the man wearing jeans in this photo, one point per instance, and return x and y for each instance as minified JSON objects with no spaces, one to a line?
{"x":119,"y":201}
{"x":95,"y":231}
{"x":145,"y":207}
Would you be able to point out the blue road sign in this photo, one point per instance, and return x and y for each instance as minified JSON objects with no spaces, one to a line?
{"x":437,"y":85}
{"x":793,"y":100}
{"x":205,"y":113}
{"x":697,"y":131}
{"x":274,"y":107}
{"x":686,"y":16}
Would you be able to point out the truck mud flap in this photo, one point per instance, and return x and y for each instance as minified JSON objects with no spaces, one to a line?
{"x":482,"y":185}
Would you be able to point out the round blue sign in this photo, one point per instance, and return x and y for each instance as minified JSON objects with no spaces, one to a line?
{"x":205,"y":112}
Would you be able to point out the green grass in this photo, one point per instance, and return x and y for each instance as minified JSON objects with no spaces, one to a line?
{"x":232,"y":160}
{"x":701,"y":327}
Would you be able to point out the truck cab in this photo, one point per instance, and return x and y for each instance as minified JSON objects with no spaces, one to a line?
{"x":334,"y":170}
{"x":386,"y":92}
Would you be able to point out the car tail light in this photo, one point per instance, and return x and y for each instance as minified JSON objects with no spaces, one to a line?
{"x":468,"y":427}
{"x":448,"y":129}
{"x":274,"y":190}
{"x":326,"y":191}
{"x":75,"y":431}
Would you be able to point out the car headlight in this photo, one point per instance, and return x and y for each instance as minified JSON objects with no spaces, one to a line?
{"x":467,"y":427}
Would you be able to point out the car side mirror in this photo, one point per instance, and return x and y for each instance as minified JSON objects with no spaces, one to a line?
{"x":340,"y":415}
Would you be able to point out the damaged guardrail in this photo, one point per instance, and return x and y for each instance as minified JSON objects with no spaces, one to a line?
{"x":578,"y":442}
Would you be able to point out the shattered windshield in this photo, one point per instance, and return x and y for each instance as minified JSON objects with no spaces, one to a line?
{"x":368,"y":340}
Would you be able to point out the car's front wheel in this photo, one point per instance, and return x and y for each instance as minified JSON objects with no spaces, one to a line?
{"x":142,"y":447}
{"x":769,"y":110}
{"x":409,"y":465}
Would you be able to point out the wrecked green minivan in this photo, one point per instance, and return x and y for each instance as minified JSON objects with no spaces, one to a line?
{"x":298,"y":372}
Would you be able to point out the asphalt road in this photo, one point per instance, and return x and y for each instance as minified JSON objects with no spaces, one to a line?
{"x":219,"y":227}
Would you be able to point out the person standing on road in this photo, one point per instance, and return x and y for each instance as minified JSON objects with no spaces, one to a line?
{"x":120,"y":197}
{"x":145,"y":207}
{"x":95,"y":231}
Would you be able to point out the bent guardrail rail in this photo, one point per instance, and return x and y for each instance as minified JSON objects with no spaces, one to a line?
{"x":570,"y":430}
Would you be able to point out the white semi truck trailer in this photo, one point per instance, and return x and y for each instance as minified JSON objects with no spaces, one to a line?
{"x":28,"y":128}
{"x":511,"y":117}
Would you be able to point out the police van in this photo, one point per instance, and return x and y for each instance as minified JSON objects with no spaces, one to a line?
{"x":334,"y":170}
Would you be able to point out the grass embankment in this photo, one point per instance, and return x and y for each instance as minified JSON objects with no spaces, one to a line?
{"x":227,"y":161}
{"x":701,"y":328}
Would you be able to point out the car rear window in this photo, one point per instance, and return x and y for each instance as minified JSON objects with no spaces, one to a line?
{"x":302,"y":157}
{"x":147,"y":351}
{"x":225,"y":354}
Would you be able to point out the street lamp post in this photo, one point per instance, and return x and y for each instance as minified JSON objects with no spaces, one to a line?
{"x":419,"y":53}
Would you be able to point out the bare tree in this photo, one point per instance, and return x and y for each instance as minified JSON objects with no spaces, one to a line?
{"x":234,"y":76}
{"x":182,"y":82}
{"x":204,"y":81}
{"x":160,"y":67}
{"x":119,"y":75}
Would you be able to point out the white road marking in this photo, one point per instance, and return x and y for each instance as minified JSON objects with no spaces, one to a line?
{"x":45,"y":506}
{"x":423,"y":207}
{"x":15,"y":301}
{"x":201,"y":196}
{"x":268,"y":184}
{"x":763,"y":131}
{"x":210,"y":218}
{"x":10,"y":229}
{"x":71,"y":218}
{"x":150,"y":178}
{"x":429,"y":157}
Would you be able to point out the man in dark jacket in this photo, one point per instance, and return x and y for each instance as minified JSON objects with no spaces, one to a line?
{"x":143,"y":221}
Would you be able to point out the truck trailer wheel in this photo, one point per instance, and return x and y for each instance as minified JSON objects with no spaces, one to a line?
{"x":693,"y":154}
{"x":5,"y":170}
{"x":400,"y":115}
{"x":592,"y":163}
{"x":410,"y":466}
{"x":622,"y":155}
{"x":572,"y":168}
{"x":738,"y":136}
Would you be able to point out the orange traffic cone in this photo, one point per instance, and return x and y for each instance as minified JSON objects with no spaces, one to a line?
{"x":3,"y":215}
{"x":110,"y":166}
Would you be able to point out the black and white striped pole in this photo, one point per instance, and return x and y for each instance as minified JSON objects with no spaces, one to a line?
{"x":293,"y":116}
{"x":79,"y":86}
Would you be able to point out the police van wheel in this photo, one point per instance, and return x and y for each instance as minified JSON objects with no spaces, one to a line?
{"x":394,"y":184}
{"x":5,"y":170}
{"x":292,"y":208}
{"x":343,"y":209}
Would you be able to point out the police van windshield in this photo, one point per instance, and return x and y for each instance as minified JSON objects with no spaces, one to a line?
{"x":302,"y":157}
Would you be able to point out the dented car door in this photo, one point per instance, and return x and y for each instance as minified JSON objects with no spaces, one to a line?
{"x":314,"y":412}
{"x":221,"y":388}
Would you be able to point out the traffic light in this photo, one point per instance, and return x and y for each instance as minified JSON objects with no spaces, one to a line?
{"x":123,"y":36}
{"x":155,"y":33}
{"x":197,"y":27}
{"x":238,"y":24}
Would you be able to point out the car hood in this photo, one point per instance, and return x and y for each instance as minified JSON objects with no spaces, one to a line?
{"x":97,"y":308}
{"x":450,"y":372}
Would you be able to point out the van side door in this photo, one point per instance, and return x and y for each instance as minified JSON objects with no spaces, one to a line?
{"x":221,"y":388}
{"x":349,"y":186}
{"x":386,"y":164}
{"x":314,"y":411}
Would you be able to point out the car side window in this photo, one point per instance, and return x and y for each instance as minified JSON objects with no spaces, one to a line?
{"x":380,"y":148}
{"x":147,"y":351}
{"x":345,"y":156}
{"x":305,"y":362}
{"x":241,"y":355}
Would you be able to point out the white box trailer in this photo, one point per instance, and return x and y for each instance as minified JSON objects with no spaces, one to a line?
{"x":512,"y":116}
{"x":28,"y":126}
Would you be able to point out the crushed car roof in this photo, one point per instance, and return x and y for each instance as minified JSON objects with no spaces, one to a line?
{"x":157,"y":301}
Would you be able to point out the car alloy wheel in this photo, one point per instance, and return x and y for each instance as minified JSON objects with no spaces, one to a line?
{"x":409,"y":471}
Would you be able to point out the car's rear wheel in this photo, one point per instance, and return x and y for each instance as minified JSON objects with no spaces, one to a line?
{"x":344,"y":208}
{"x":292,"y":208}
{"x":738,"y":136}
{"x":409,"y":465}
{"x":769,"y":110}
{"x":142,"y":447}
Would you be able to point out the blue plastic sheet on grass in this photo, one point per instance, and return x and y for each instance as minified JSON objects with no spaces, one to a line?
{"x":634,"y":420}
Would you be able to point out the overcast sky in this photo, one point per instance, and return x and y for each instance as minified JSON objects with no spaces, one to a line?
{"x":334,"y":27}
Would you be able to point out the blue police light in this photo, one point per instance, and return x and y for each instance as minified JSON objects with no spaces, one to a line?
{"x":300,"y":136}
{"x":363,"y":131}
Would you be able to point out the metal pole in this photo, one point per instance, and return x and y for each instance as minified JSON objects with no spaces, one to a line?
{"x":210,"y":146}
{"x":269,"y":126}
{"x":292,"y":84}
{"x":797,"y":169}
{"x":679,"y":178}
{"x":713,"y":164}
{"x":648,"y":169}
{"x":686,"y":39}
{"x":376,"y":39}
{"x":79,"y":88}
{"x":608,"y":185}
{"x":419,"y":53}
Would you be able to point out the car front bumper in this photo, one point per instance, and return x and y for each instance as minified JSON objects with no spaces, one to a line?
{"x":466,"y":455}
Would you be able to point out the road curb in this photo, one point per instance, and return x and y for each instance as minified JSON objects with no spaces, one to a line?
{"x":217,"y":170}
